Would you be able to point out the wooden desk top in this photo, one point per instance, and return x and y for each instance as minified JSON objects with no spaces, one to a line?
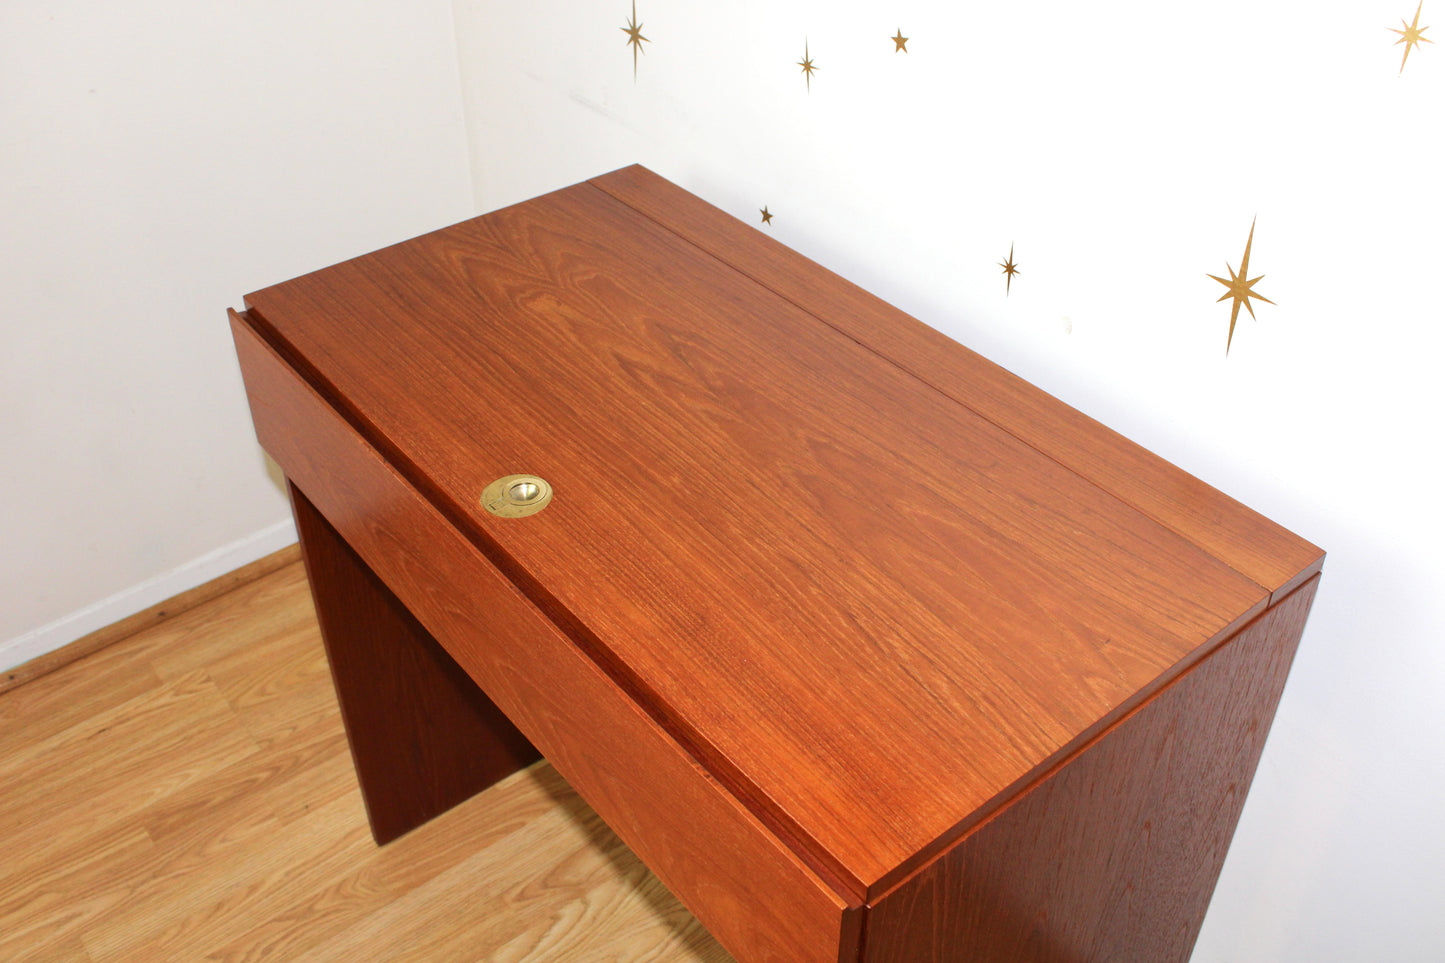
{"x":874,"y":583}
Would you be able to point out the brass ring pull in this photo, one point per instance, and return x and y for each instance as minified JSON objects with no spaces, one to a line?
{"x":517,"y":496}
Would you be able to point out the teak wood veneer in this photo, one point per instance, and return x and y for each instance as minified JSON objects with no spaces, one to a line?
{"x":871,"y":650}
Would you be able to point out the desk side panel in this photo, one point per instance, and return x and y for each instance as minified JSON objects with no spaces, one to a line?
{"x":755,"y":896}
{"x":1114,"y":855}
{"x":423,"y":737}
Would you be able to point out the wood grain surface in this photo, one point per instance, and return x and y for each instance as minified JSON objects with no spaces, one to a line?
{"x":753,"y":893}
{"x":1252,"y":544}
{"x":422,"y":735}
{"x":869,"y":611}
{"x":187,"y":794}
{"x":1115,"y":855}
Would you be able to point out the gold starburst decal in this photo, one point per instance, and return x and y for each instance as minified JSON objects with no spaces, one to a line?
{"x":1411,"y":35}
{"x":1241,"y":288}
{"x":767,"y":217}
{"x":807,"y":64}
{"x":1009,"y":269}
{"x":900,"y":42}
{"x":635,"y":39}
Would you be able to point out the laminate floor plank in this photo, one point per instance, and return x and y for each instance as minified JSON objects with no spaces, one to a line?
{"x":234,"y":623}
{"x":105,"y":769}
{"x":391,"y":877}
{"x":285,"y":782}
{"x":71,"y":950}
{"x":590,"y":900}
{"x":229,"y":884}
{"x":279,"y":687}
{"x":45,"y":902}
{"x":51,"y":704}
{"x":187,"y":794}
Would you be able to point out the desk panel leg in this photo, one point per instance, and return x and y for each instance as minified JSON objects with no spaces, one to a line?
{"x":423,"y":736}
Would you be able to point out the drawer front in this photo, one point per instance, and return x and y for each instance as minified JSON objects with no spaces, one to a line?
{"x":751,"y":892}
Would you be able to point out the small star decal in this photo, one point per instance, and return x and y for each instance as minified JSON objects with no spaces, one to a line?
{"x":1411,"y":35}
{"x":900,"y":42}
{"x":1009,"y":269}
{"x":807,"y":64}
{"x":1241,"y":288}
{"x":767,"y":217}
{"x":635,"y":39}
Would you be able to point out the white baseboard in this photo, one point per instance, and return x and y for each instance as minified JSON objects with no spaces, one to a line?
{"x":152,"y":591}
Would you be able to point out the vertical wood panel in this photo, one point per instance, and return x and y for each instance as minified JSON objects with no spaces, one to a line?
{"x":1115,"y":855}
{"x":423,"y":736}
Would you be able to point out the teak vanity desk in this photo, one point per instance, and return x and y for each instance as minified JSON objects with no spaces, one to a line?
{"x":869,"y":649}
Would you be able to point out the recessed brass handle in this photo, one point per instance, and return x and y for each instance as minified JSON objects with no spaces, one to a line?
{"x":517,"y":496}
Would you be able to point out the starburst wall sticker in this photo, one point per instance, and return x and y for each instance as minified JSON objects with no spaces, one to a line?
{"x":635,"y":39}
{"x":900,"y":42}
{"x":1009,"y":270}
{"x":767,"y":215}
{"x":808,"y":66}
{"x":1411,"y":35}
{"x":1241,"y":289}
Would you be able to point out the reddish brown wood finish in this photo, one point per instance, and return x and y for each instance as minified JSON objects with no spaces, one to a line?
{"x":1239,"y":536}
{"x":752,"y":893}
{"x":1113,"y":856}
{"x":422,"y":735}
{"x":827,"y":612}
{"x":856,"y":545}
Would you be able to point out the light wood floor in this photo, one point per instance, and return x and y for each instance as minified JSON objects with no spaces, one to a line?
{"x":187,"y":795}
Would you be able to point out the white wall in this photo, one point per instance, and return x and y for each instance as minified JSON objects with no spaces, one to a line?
{"x":1125,"y":149}
{"x":158,"y":160}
